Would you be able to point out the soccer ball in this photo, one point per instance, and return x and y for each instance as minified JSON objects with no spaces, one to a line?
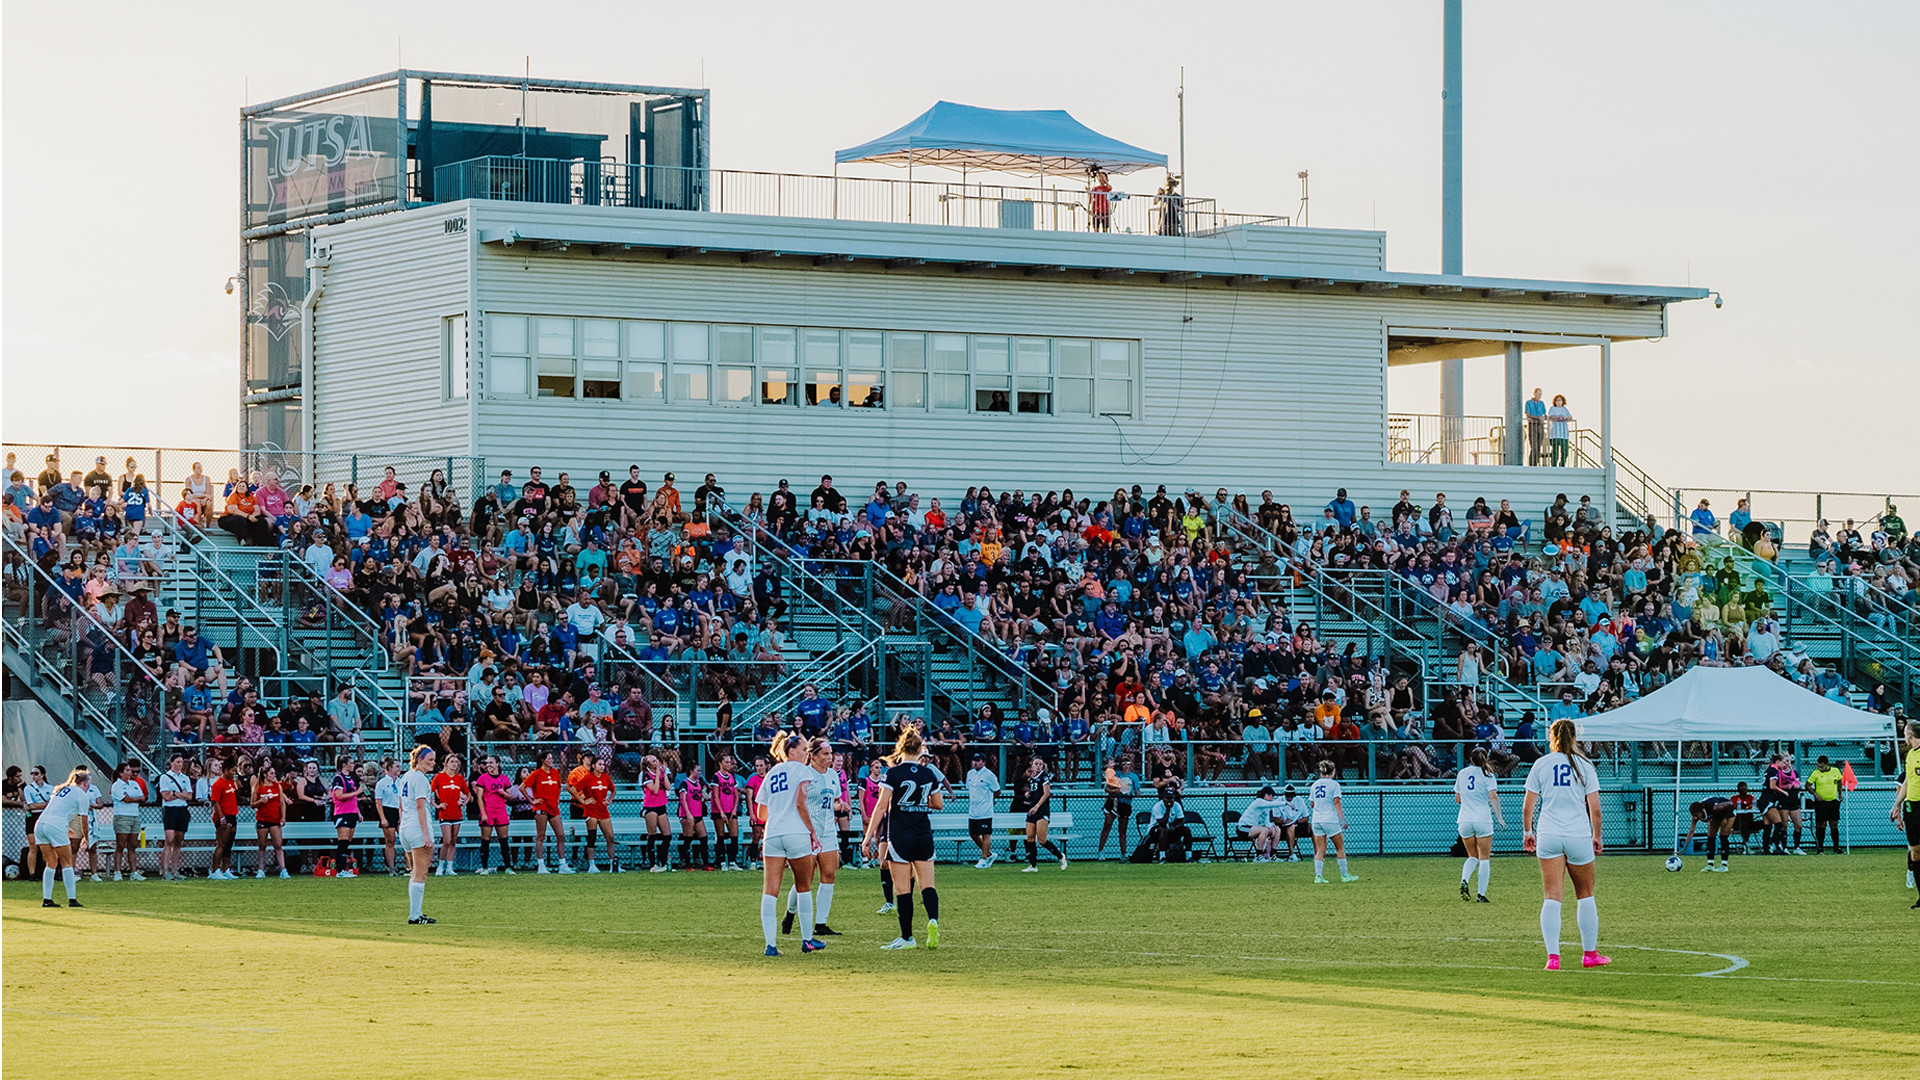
{"x":1673,"y":862}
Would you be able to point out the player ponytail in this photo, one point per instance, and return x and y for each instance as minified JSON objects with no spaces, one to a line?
{"x":1325,"y":768}
{"x":1479,"y":758}
{"x":908,"y":748}
{"x":79,"y":775}
{"x":1564,"y":738}
{"x":419,"y":756}
{"x":784,"y":743}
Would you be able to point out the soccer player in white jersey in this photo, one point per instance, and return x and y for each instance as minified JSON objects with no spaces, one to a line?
{"x":1476,"y":791}
{"x":1329,"y":823}
{"x":791,"y":840}
{"x":416,"y":830}
{"x":826,"y":800}
{"x":75,"y":798}
{"x":1256,"y":824}
{"x":1565,"y":788}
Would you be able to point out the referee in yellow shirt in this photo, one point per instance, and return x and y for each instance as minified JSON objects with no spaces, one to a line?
{"x":1906,"y":803}
{"x":1825,"y":783}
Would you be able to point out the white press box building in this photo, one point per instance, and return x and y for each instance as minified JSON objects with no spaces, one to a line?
{"x":549,"y":273}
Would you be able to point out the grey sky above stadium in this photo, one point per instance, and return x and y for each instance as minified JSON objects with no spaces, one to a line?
{"x":1761,"y":149}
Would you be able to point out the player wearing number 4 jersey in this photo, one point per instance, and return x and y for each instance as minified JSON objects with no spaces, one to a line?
{"x":1474,"y":790}
{"x":1565,"y":789}
{"x":907,"y":792}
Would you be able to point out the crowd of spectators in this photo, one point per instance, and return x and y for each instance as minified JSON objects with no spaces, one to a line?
{"x":542,"y":614}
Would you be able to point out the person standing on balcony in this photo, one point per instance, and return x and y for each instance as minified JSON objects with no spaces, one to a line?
{"x":1100,"y":201}
{"x":1536,"y":410}
{"x":1559,"y":429}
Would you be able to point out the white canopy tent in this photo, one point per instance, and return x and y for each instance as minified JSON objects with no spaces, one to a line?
{"x":1719,"y":704}
{"x":1724,"y":704}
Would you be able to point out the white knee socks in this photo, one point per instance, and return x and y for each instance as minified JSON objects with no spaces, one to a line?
{"x":46,"y":883}
{"x":1486,"y":871}
{"x":793,"y":900}
{"x":1466,"y":869}
{"x":769,"y":917}
{"x":1587,"y":914}
{"x":416,"y":895}
{"x":1550,"y":925}
{"x":806,"y":916}
{"x":824,"y":907}
{"x":72,"y":878}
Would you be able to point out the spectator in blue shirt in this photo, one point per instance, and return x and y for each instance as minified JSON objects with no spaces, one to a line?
{"x":1536,"y":410}
{"x":506,"y":490}
{"x":983,"y":727}
{"x":1343,"y":508}
{"x":1704,"y":523}
{"x":813,"y":712}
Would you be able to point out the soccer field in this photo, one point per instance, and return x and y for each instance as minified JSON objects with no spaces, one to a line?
{"x":1786,"y":966}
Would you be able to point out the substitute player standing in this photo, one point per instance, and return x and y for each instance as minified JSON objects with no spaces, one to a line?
{"x":907,"y":792}
{"x":1906,"y":805}
{"x":1476,"y":791}
{"x":1565,"y":787}
{"x":416,"y":829}
{"x":1329,"y":823}
{"x":982,"y":786}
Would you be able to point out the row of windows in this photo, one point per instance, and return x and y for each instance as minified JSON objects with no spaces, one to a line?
{"x":797,"y":367}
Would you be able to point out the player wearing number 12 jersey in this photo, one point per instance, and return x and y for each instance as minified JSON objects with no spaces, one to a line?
{"x":1564,"y":787}
{"x":908,"y":792}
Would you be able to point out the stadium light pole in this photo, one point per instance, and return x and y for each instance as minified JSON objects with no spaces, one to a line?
{"x":1452,"y":371}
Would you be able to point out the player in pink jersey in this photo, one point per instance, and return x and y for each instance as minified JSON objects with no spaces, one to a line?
{"x":724,"y":795}
{"x":490,"y":787}
{"x":692,"y":801}
{"x":344,"y":797}
{"x":761,"y":766}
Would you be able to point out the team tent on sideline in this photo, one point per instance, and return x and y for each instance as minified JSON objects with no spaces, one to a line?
{"x":1726,"y":704}
{"x":1731,"y":704}
{"x":1046,"y":142}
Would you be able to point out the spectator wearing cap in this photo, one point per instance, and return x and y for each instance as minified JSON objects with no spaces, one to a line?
{"x":1704,"y":521}
{"x":1343,"y":509}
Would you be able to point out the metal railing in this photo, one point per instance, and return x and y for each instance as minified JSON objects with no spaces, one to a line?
{"x":1432,"y":439}
{"x":1065,"y":208}
{"x":169,"y":467}
{"x":119,"y":708}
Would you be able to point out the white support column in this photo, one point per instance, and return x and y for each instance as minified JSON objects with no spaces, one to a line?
{"x":1453,"y":402}
{"x":1512,"y":441}
{"x":1606,"y":429}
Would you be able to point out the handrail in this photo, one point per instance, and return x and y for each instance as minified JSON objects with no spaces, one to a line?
{"x":205,"y":566}
{"x":1882,"y":644}
{"x":1588,"y":446}
{"x":291,"y":567}
{"x":75,"y":687}
{"x":929,"y":614}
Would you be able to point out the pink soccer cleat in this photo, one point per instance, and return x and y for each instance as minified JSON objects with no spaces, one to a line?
{"x":1594,"y":959}
{"x":1553,"y":963}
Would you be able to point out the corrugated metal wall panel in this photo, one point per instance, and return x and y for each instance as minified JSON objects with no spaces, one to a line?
{"x":1250,"y":389}
{"x":377,"y":354}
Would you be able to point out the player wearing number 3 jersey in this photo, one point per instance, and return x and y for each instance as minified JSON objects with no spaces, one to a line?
{"x":1476,"y":791}
{"x":1565,"y":789}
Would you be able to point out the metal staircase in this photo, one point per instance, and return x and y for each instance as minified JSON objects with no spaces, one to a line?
{"x":110,"y":704}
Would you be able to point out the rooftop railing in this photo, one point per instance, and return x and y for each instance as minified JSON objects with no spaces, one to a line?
{"x":1064,"y":208}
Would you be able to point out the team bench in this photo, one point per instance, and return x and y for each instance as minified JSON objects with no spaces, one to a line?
{"x":1012,"y":826}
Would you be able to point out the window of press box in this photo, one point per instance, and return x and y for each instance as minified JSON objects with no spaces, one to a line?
{"x":654,"y":362}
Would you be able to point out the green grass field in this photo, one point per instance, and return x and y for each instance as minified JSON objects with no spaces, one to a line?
{"x":1220,"y":970}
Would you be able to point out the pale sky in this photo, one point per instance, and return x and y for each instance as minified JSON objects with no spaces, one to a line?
{"x":1767,"y":150}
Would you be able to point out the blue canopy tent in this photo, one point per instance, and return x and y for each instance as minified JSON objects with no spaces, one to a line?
{"x":1047,"y":142}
